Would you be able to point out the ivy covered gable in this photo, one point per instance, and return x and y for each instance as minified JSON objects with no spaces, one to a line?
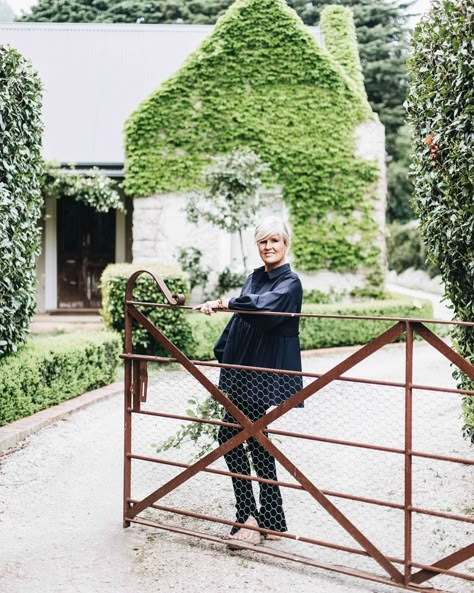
{"x":260,"y":81}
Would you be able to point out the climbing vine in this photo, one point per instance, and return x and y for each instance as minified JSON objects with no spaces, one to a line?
{"x":261,"y":82}
{"x":93,"y":188}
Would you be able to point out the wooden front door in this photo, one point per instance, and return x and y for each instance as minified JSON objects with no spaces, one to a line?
{"x":86,"y":244}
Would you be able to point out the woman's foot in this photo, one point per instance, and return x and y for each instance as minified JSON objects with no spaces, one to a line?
{"x":272,"y":537}
{"x":247,"y":536}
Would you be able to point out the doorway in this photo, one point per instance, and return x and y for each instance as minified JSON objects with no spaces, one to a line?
{"x":86,"y":244}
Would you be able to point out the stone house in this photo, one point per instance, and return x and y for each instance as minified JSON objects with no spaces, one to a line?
{"x":296,"y":97}
{"x":94,"y":77}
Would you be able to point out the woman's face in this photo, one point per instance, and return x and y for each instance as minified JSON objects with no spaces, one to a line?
{"x":272,"y":250}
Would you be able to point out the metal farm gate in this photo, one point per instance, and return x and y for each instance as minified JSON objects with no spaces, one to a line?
{"x":375,"y":475}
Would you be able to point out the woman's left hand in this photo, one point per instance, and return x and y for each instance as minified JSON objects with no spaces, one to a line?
{"x":210,"y":307}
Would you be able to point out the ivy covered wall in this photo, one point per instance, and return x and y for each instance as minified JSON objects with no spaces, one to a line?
{"x":261,"y":81}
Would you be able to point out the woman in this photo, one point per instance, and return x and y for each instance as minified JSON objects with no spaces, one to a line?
{"x":259,"y":341}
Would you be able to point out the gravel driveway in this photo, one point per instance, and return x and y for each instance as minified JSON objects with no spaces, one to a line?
{"x":60,"y":500}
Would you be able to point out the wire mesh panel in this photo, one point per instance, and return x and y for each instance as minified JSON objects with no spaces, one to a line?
{"x":321,"y":468}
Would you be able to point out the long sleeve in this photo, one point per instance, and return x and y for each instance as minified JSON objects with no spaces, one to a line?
{"x":286,"y":298}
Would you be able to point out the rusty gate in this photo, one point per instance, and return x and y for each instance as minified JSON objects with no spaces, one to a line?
{"x":418,"y":526}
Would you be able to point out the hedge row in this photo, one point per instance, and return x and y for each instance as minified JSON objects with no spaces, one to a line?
{"x":49,"y":370}
{"x":317,"y":332}
{"x":440,"y":107}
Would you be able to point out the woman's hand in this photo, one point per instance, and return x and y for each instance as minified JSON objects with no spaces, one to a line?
{"x":210,"y":307}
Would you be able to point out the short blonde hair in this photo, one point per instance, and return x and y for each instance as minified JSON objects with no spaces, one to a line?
{"x":273,"y":225}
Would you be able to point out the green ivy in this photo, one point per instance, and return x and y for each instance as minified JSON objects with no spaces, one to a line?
{"x":93,"y":188}
{"x":20,"y":196}
{"x":260,"y":82}
{"x":337,"y":25}
{"x":440,"y":111}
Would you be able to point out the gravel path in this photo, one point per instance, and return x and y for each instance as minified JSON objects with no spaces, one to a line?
{"x":60,"y":498}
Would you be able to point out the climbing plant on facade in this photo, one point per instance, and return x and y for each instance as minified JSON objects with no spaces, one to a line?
{"x":261,"y":82}
{"x":93,"y":188}
{"x":20,"y":196}
{"x":440,"y":112}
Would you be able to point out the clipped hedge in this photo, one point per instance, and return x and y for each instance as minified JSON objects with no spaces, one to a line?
{"x":317,"y":332}
{"x":328,"y":333}
{"x":261,"y":82}
{"x":171,"y":322}
{"x":49,"y":370}
{"x":20,"y":196}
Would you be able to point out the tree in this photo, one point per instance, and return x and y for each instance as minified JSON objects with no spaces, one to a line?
{"x":230,"y":201}
{"x":20,"y":195}
{"x":399,"y":202}
{"x":440,"y":111}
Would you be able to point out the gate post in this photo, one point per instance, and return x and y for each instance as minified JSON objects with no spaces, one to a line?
{"x":127,"y":425}
{"x":408,"y":452}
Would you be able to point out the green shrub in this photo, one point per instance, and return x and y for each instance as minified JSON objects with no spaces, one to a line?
{"x":205,"y":331}
{"x":317,"y":332}
{"x":440,"y":113}
{"x":328,"y":333}
{"x":315,"y":296}
{"x":171,"y":322}
{"x":20,"y":196}
{"x":49,"y":370}
{"x":406,"y":249}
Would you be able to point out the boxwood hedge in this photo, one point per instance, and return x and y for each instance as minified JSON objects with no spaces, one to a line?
{"x":318,"y":332}
{"x":49,"y":370}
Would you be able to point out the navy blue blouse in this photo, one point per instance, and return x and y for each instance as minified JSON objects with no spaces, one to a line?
{"x":262,"y":341}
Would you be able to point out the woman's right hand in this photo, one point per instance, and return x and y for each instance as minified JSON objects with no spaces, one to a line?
{"x":210,"y":307}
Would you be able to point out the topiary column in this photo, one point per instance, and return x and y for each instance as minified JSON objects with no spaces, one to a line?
{"x":20,"y":197}
{"x":440,"y":104}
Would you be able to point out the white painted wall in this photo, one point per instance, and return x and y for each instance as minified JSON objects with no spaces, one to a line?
{"x":51,"y":257}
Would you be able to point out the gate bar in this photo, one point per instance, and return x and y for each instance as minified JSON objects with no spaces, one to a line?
{"x":220,"y":365}
{"x":310,"y":315}
{"x":286,"y":556}
{"x":384,"y":503}
{"x":408,"y":449}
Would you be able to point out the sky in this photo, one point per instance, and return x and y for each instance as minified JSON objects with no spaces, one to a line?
{"x":420,"y":6}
